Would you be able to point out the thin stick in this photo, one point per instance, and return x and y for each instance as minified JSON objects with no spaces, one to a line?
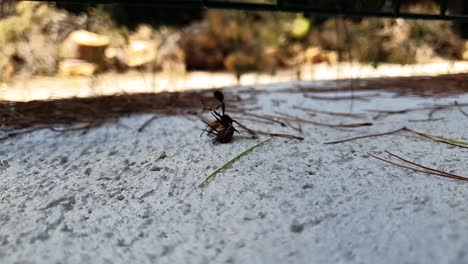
{"x":350,"y":60}
{"x":286,"y":117}
{"x":251,"y":132}
{"x":433,"y":111}
{"x":288,"y":136}
{"x":389,"y":112}
{"x":305,"y":109}
{"x":404,"y":166}
{"x":19,"y":133}
{"x":453,"y":142}
{"x":426,"y":120}
{"x":268,"y":118}
{"x":297,"y":119}
{"x":449,"y":141}
{"x":298,"y":128}
{"x":254,"y":119}
{"x":84,"y":129}
{"x":339,"y":98}
{"x":427,"y":171}
{"x":229,"y":163}
{"x":419,"y":165}
{"x":142,"y":127}
{"x":366,"y":136}
{"x":461,"y":109}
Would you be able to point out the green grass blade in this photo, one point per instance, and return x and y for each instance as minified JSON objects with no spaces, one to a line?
{"x":229,"y":163}
{"x":450,"y":141}
{"x":455,"y":141}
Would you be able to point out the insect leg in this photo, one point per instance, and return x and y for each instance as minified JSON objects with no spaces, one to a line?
{"x":217,"y":116}
{"x":210,"y":126}
{"x":210,"y":132}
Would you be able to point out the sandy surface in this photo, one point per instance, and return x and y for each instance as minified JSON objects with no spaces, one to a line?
{"x":118,"y":196}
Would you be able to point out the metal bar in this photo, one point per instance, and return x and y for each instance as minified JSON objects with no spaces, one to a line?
{"x":284,"y":7}
{"x":443,"y":7}
{"x":166,"y":3}
{"x":396,"y":7}
{"x":279,"y":3}
{"x":322,"y":12}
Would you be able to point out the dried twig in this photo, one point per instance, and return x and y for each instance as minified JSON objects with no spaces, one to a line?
{"x":253,"y":119}
{"x":22,"y":132}
{"x":383,"y":113}
{"x":416,"y":164}
{"x":419,"y":168}
{"x":298,"y":128}
{"x":298,"y":119}
{"x":310,"y":110}
{"x":339,"y":98}
{"x":84,"y":129}
{"x":264,"y":117}
{"x":461,"y":109}
{"x":426,"y":120}
{"x":444,"y":140}
{"x":147,"y":122}
{"x":366,"y":136}
{"x":288,"y":136}
{"x":449,"y":141}
{"x":431,"y":113}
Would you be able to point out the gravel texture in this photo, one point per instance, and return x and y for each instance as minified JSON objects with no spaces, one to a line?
{"x":115,"y":195}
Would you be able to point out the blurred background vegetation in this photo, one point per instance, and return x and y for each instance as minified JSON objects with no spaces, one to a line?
{"x":73,"y":39}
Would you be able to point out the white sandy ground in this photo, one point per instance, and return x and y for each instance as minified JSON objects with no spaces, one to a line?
{"x":118,"y":196}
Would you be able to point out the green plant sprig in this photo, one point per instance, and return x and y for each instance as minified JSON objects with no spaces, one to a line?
{"x":229,"y":163}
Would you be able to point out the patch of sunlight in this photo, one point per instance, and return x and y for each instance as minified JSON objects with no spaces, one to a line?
{"x":42,"y":88}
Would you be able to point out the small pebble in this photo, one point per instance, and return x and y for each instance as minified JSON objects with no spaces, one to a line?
{"x":297,"y":228}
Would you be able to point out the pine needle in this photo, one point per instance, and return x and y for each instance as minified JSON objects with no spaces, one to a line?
{"x":366,"y":136}
{"x":229,"y":163}
{"x":419,"y":167}
{"x":449,"y":141}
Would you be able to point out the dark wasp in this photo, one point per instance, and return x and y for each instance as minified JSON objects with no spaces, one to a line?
{"x":223,"y":126}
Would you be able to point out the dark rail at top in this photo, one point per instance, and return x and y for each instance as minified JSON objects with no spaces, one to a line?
{"x":340,"y":8}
